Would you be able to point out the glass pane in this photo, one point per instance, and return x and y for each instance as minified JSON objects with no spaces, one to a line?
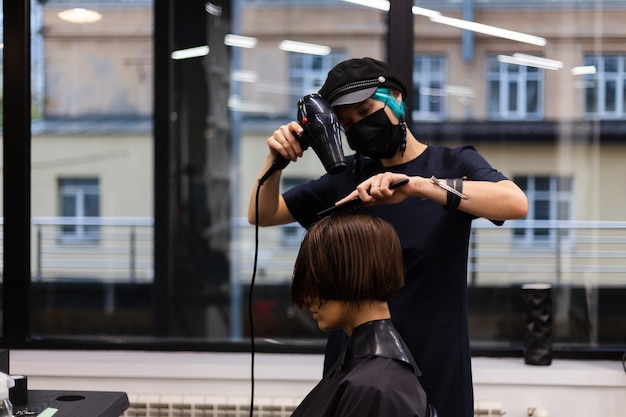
{"x":543,"y":183}
{"x":513,"y":105}
{"x":493,"y":103}
{"x":565,"y":184}
{"x":417,"y":101}
{"x":92,"y":107}
{"x":542,"y":210}
{"x":610,"y":64}
{"x":609,"y":96}
{"x":591,"y":97}
{"x":92,"y":201}
{"x":532,"y":97}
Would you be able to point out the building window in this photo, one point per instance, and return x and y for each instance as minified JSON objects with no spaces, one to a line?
{"x":514,"y":92}
{"x":80,"y":204}
{"x":429,"y":75}
{"x":549,"y":198}
{"x":307,"y":73}
{"x":605,"y":95}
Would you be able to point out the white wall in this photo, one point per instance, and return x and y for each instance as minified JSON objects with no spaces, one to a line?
{"x":566,"y":388}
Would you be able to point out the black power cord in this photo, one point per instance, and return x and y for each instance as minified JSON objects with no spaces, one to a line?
{"x":250,"y":296}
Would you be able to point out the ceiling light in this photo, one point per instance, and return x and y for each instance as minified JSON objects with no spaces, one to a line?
{"x":191,"y":52}
{"x":304,"y":48}
{"x":79,"y":15}
{"x":490,"y":30}
{"x":531,"y":61}
{"x":239,"y":41}
{"x":588,"y":69}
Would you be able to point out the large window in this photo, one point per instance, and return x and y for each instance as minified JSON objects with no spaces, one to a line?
{"x":141,"y":161}
{"x":514,"y":92}
{"x":80,"y":200}
{"x":429,"y":87}
{"x":308,"y":72}
{"x":605,"y":90}
{"x":549,"y":198}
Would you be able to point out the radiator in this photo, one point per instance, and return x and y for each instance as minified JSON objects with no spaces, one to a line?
{"x":198,"y":406}
{"x":488,"y":408}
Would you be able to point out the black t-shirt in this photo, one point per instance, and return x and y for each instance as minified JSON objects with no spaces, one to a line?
{"x":430,"y":312}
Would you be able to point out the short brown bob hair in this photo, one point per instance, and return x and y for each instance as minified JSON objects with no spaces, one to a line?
{"x":348,"y":257}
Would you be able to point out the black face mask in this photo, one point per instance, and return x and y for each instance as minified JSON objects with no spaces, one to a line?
{"x":376,"y":137}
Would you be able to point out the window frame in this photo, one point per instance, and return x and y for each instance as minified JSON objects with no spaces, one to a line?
{"x":595,"y":87}
{"x":79,"y":190}
{"x":509,"y":76}
{"x":16,"y":284}
{"x":435,"y":80}
{"x":556,"y":197}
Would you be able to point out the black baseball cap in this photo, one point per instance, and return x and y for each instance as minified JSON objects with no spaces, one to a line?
{"x":356,"y":80}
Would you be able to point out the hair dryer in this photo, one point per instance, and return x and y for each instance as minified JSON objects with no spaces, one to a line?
{"x":321,"y":132}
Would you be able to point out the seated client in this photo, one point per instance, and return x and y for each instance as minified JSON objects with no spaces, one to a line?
{"x":348,"y":267}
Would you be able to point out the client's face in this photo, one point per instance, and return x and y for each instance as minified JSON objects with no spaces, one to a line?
{"x":332,"y":315}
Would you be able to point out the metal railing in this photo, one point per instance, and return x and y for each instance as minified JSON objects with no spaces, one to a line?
{"x":559,"y":252}
{"x":117,"y":249}
{"x":120,"y":249}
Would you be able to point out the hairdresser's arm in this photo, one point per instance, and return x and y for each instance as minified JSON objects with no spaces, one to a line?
{"x":502,"y":200}
{"x":272,"y":207}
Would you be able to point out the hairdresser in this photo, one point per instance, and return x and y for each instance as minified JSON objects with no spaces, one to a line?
{"x":432,"y":214}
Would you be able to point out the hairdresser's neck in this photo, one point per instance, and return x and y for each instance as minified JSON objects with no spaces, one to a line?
{"x":366,"y":311}
{"x":414,"y":148}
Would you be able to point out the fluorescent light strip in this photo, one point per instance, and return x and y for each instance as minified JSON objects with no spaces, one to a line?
{"x":540,"y":61}
{"x":191,"y":52}
{"x":531,"y":61}
{"x":424,"y":12}
{"x":304,"y":48}
{"x":436,"y":17}
{"x":239,"y":41}
{"x":384,"y":6}
{"x":588,"y":69}
{"x":374,"y":4}
{"x":490,"y":30}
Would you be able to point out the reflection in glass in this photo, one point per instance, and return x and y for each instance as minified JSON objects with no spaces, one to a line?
{"x":560,"y":136}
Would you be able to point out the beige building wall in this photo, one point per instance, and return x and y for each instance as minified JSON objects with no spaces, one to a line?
{"x":122,"y":163}
{"x":98,"y":68}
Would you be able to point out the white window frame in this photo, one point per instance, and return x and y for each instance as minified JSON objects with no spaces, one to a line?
{"x":429,"y":87}
{"x":506,"y":78}
{"x":596,"y":87}
{"x":79,"y":189}
{"x":307,"y":72}
{"x":560,"y":207}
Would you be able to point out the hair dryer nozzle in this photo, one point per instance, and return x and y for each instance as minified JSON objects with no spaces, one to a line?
{"x":321,"y":131}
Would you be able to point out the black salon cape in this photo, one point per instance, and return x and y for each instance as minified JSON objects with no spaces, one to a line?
{"x":375,"y":377}
{"x":430,"y":312}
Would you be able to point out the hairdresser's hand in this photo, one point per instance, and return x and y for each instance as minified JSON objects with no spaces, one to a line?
{"x":381,"y":189}
{"x":285,"y":143}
